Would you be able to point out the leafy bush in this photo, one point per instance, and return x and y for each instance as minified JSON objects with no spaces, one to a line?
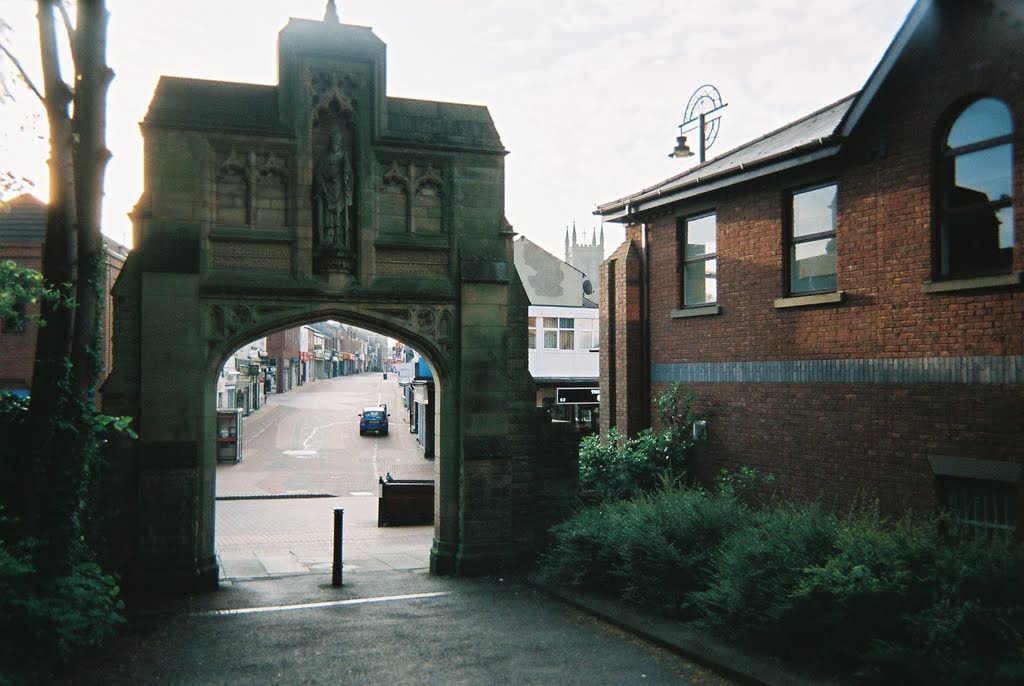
{"x":965,"y":623}
{"x":616,"y":467}
{"x":47,"y":622}
{"x":746,"y":484}
{"x":653,"y":551}
{"x":892,"y":602}
{"x":586,"y":548}
{"x":680,"y":532}
{"x":759,"y":568}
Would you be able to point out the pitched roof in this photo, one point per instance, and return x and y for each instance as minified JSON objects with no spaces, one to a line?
{"x":816,"y":136}
{"x":807,"y":136}
{"x":200,"y":104}
{"x":442,"y":123}
{"x":23,"y":220}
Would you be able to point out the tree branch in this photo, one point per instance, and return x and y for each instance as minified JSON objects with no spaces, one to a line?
{"x":22,"y":72}
{"x":69,"y":28}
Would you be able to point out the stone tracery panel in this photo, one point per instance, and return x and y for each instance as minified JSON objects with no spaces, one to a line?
{"x":410,"y":199}
{"x":251,"y":190}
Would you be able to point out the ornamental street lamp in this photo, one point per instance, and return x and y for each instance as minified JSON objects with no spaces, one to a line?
{"x":705,"y":101}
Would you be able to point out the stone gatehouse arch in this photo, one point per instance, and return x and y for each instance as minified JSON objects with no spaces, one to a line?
{"x":320,"y":198}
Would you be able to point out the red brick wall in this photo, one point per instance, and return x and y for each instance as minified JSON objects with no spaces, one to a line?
{"x":622,"y":379}
{"x":17,"y":350}
{"x":830,"y":440}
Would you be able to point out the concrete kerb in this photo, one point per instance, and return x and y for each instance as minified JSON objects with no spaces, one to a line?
{"x":683,"y":639}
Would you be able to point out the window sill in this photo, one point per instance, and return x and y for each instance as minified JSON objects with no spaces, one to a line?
{"x":703,"y":311}
{"x":973,"y":283}
{"x":809,"y":300}
{"x":970,"y":468}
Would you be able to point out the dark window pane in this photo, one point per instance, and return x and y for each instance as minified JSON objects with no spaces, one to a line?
{"x":977,"y":242}
{"x":700,"y":236}
{"x":700,"y":282}
{"x":814,"y":212}
{"x":985,"y":119}
{"x":982,"y":176}
{"x":813,"y":266}
{"x":564,"y":323}
{"x":1005,"y":219}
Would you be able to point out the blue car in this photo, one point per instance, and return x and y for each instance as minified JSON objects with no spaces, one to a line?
{"x":373,"y":420}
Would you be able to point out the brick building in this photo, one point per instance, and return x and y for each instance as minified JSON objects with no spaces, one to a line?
{"x":22,"y":232}
{"x":845,"y":293}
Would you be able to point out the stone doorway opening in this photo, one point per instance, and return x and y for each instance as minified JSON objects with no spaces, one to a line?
{"x":297,"y":450}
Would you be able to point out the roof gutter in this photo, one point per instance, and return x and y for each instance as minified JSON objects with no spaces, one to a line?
{"x":626,"y":209}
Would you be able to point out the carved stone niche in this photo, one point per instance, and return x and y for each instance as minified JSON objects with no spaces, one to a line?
{"x":334,"y":190}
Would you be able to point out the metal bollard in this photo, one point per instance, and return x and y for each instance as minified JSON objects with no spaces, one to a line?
{"x":339,"y":519}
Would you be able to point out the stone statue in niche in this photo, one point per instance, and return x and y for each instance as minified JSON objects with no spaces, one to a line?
{"x":332,"y":196}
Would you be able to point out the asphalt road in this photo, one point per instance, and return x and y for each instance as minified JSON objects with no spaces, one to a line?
{"x":392,"y":627}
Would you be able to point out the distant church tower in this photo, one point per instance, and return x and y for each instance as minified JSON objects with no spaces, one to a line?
{"x":586,"y":258}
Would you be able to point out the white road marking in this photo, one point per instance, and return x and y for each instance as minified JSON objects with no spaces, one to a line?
{"x":305,"y":443}
{"x":328,"y":603}
{"x":376,"y":469}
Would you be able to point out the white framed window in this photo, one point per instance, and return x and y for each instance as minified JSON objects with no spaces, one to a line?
{"x":559,"y":333}
{"x":587,"y":334}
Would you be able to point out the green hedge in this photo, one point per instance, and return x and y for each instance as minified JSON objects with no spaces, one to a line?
{"x":892,"y":602}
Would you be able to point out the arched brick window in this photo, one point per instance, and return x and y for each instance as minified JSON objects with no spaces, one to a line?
{"x":976,"y":191}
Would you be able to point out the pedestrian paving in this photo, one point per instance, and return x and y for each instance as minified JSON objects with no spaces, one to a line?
{"x":275,"y":509}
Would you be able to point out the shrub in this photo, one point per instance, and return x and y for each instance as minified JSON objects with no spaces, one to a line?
{"x":616,"y":467}
{"x":967,"y":626}
{"x":48,"y":622}
{"x":746,"y":484}
{"x":680,"y":532}
{"x":759,"y":567}
{"x":586,"y":549}
{"x":652,"y":551}
{"x":890,"y":602}
{"x":858,"y":593}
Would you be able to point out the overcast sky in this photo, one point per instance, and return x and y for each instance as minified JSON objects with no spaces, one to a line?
{"x":587,"y":95}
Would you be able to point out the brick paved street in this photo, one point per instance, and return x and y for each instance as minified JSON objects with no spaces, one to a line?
{"x":302,"y":457}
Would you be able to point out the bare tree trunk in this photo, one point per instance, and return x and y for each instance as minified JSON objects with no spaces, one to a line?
{"x":53,"y":346}
{"x":60,"y":469}
{"x":91,"y":158}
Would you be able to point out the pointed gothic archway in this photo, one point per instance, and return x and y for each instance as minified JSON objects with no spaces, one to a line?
{"x":318,"y":198}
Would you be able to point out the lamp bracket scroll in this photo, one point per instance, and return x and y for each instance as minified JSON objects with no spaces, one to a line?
{"x":704,"y":102}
